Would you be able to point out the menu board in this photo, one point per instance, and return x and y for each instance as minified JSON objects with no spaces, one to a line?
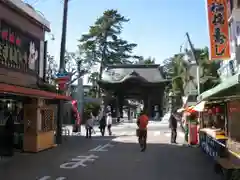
{"x":18,"y":49}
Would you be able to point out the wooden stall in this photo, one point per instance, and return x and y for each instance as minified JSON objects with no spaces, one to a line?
{"x":39,"y":127}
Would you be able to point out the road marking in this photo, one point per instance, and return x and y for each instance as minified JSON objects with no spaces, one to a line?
{"x":45,"y":178}
{"x":79,"y":161}
{"x":61,"y":178}
{"x":102,"y":148}
{"x":156,"y":133}
{"x":49,"y":177}
{"x":101,"y":139}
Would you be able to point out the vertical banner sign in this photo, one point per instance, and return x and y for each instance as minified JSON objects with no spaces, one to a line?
{"x":218,"y":29}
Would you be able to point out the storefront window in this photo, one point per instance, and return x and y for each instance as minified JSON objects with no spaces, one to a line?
{"x":214,"y":116}
{"x":47,"y":120}
{"x":13,"y":107}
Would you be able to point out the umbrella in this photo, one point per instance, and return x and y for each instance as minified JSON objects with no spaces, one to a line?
{"x":200,"y":106}
{"x":181,"y":110}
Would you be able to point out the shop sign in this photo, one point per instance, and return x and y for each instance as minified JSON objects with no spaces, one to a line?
{"x":228,"y":69}
{"x":208,"y":145}
{"x":62,"y":73}
{"x":237,"y":32}
{"x":18,"y":49}
{"x":218,"y":29}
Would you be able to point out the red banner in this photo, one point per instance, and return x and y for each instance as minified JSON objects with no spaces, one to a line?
{"x":218,"y":29}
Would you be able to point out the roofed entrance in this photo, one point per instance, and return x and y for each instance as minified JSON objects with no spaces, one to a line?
{"x":141,"y":82}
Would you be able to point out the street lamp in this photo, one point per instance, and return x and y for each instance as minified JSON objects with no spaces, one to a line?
{"x":197,"y":63}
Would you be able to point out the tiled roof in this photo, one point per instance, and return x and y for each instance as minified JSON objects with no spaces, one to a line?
{"x":120,"y":73}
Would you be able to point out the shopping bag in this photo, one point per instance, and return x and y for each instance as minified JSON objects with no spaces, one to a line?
{"x":137,"y":132}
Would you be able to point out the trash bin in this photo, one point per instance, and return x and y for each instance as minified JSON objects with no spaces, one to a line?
{"x":192,"y":133}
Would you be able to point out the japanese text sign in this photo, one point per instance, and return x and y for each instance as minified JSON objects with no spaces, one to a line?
{"x":218,"y":29}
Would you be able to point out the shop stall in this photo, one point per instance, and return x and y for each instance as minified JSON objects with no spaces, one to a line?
{"x":212,"y":129}
{"x":219,"y":135}
{"x":39,"y":126}
{"x":220,"y":127}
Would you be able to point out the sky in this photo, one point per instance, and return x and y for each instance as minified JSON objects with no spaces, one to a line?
{"x":157,"y":26}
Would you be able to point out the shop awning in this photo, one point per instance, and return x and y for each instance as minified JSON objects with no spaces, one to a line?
{"x":221,"y":88}
{"x":23,"y":91}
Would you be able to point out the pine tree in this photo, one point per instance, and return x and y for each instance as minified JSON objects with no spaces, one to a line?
{"x":102,"y":44}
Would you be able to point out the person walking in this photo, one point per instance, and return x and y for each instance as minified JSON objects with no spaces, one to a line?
{"x":173,"y":127}
{"x":109,"y":123}
{"x":93,"y":122}
{"x":102,"y":125}
{"x":89,"y":126}
{"x":142,"y":123}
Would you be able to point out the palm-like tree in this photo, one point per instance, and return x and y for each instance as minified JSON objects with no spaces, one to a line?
{"x":209,"y":76}
{"x":181,"y":75}
{"x":179,"y":70}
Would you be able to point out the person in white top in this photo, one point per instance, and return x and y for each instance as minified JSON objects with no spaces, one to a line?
{"x":89,"y":126}
{"x":109,"y":123}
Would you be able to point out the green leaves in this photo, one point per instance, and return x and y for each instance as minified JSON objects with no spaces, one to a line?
{"x":180,"y":71}
{"x":103,"y":45}
{"x":103,"y":42}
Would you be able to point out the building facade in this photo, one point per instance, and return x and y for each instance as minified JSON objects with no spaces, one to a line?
{"x":231,"y":66}
{"x":24,"y":95}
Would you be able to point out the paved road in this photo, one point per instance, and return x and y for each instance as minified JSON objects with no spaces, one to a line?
{"x":127,"y":129}
{"x":113,"y":158}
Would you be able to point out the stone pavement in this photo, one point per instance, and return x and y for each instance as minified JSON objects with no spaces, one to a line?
{"x":111,"y":158}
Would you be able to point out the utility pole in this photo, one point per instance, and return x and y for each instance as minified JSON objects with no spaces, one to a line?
{"x":195,"y":59}
{"x":62,"y":69}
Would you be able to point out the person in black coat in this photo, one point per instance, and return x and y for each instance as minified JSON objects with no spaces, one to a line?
{"x":173,"y":127}
{"x":102,"y":125}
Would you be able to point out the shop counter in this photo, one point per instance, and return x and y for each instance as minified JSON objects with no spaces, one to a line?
{"x":212,"y":143}
{"x":38,"y":141}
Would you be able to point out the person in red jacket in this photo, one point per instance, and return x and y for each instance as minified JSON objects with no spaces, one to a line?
{"x":142,"y":123}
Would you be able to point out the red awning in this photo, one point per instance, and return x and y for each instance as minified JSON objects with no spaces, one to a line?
{"x":23,"y":91}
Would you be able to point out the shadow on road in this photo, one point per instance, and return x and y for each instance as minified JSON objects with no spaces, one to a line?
{"x":160,"y":161}
{"x":123,"y":161}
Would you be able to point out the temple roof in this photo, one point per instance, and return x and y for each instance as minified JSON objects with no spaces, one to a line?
{"x":121,"y":73}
